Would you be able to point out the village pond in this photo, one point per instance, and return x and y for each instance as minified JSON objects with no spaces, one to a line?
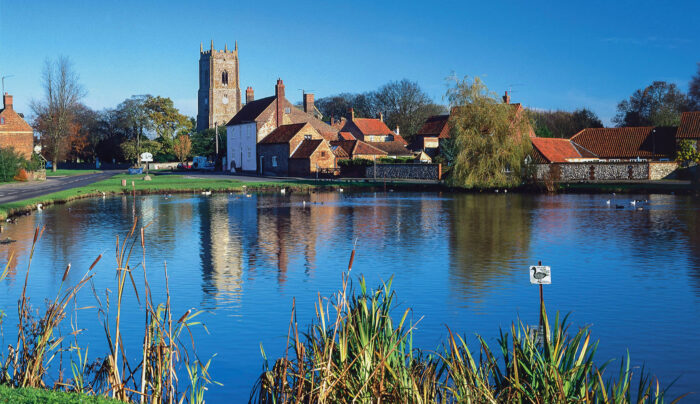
{"x":457,"y":259}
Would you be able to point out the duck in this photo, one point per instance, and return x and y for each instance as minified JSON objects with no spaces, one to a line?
{"x":248,"y":195}
{"x":607,"y":202}
{"x":206,"y":193}
{"x":340,"y":189}
{"x":619,"y":206}
{"x":39,"y":206}
{"x":633,"y":202}
{"x":640,"y":208}
{"x":538,"y":275}
{"x":283,"y":191}
{"x":7,"y":240}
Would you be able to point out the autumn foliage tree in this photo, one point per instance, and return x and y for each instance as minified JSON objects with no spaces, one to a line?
{"x":182,"y":147}
{"x":491,"y":137}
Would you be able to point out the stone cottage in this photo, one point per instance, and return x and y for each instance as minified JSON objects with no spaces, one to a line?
{"x":310,"y":157}
{"x":275,"y":149}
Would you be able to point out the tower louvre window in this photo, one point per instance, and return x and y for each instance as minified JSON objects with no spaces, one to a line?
{"x":224,"y":78}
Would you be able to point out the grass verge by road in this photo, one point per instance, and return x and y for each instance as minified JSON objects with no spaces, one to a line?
{"x":69,"y":173}
{"x":35,"y":396}
{"x":163,"y":183}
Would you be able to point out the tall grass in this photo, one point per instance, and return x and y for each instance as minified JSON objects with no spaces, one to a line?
{"x":164,"y":354}
{"x":355,"y":351}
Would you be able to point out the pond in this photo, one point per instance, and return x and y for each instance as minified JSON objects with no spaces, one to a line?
{"x":458,"y":260}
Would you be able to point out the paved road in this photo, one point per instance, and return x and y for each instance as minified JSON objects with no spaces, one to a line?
{"x":25,"y":190}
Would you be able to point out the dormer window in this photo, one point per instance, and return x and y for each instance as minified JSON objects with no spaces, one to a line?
{"x":224,"y":78}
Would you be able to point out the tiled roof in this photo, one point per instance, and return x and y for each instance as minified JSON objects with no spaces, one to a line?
{"x":628,"y":143}
{"x":306,"y":148}
{"x":435,"y":125}
{"x":558,"y":150}
{"x":339,"y":151}
{"x":251,"y":111}
{"x":346,"y":145}
{"x":354,"y":147}
{"x":400,"y":139}
{"x":283,"y":133}
{"x":370,"y":126}
{"x":346,"y":136}
{"x":395,"y":148}
{"x":690,"y":126}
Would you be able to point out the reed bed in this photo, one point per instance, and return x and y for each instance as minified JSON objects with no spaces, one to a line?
{"x":355,"y":352}
{"x":168,"y":348}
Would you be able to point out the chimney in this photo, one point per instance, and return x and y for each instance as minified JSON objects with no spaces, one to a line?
{"x":397,"y":130}
{"x":506,"y":98}
{"x":7,"y":101}
{"x":308,"y":103}
{"x":249,"y":95}
{"x":352,"y":114}
{"x":332,"y":120}
{"x":381,"y":117}
{"x":279,"y":94}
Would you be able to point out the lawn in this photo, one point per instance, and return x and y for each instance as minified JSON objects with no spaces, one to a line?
{"x":31,"y":396}
{"x":68,"y":173}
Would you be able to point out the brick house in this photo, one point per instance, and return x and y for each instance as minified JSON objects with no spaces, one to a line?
{"x":629,"y":143}
{"x":428,"y":138}
{"x":554,"y":150}
{"x":689,"y":128}
{"x":258,"y":118}
{"x":356,"y":149}
{"x":15,"y":132}
{"x":310,"y":157}
{"x":275,"y":150}
{"x":374,"y":132}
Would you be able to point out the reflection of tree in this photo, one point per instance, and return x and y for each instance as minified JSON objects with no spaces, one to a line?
{"x":689,"y":217}
{"x":23,"y":232}
{"x":488,"y":233}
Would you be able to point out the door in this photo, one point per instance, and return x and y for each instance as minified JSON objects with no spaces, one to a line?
{"x":260,"y":170}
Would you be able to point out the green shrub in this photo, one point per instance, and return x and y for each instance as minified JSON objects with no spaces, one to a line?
{"x":398,"y":160}
{"x":356,"y":162}
{"x":10,"y":163}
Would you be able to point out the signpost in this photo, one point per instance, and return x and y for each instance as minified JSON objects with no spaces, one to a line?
{"x":540,"y":275}
{"x":147,"y":157}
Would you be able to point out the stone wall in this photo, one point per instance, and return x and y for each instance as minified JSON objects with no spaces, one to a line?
{"x":404,"y":171}
{"x":662,"y":169}
{"x":622,"y":171}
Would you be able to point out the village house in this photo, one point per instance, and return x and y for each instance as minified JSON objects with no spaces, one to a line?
{"x":310,"y":157}
{"x":689,"y":128}
{"x":375,"y":133}
{"x":258,"y":118}
{"x":276,"y":148}
{"x":356,"y":149}
{"x":15,"y":132}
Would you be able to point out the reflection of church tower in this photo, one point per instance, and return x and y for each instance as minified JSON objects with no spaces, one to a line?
{"x":219,"y":96}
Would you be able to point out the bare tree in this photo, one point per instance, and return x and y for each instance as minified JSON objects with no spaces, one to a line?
{"x":55,"y":112}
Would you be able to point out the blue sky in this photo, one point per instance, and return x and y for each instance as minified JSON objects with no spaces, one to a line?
{"x":552,"y":55}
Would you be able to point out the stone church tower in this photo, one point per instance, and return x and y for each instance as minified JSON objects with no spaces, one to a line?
{"x":219,"y":96}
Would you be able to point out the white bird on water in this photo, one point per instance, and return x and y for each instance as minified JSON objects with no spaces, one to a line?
{"x":633,"y":202}
{"x":39,"y":206}
{"x":283,"y":191}
{"x":207,"y":193}
{"x":340,"y":189}
{"x":607,"y":202}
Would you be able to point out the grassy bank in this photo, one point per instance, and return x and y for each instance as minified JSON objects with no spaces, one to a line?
{"x":69,"y":173}
{"x":9,"y":395}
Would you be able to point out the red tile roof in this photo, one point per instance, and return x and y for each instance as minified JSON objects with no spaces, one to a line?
{"x":306,"y":148}
{"x":690,"y":126}
{"x":395,"y":148}
{"x":370,"y":126}
{"x":355,"y":147}
{"x":345,"y":136}
{"x":437,"y":126}
{"x":554,"y":150}
{"x":283,"y":133}
{"x":628,"y":143}
{"x":339,"y":151}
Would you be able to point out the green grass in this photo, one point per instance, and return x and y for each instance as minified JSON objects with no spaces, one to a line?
{"x":69,"y":173}
{"x":30,"y":396}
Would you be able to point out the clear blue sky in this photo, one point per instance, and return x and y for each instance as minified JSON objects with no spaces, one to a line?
{"x":553,"y":55}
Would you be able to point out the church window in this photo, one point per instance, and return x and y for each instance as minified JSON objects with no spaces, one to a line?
{"x":224,"y":78}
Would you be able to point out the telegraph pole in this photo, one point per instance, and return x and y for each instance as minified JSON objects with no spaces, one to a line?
{"x":3,"y":82}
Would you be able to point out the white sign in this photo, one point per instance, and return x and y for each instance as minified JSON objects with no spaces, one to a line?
{"x":146,"y":156}
{"x":540,"y":275}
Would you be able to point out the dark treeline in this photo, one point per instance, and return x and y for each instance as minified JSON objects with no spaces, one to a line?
{"x":563,"y":124}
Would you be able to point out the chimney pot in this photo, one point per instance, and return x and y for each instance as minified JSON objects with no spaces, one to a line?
{"x":249,"y":95}
{"x":381,"y":116}
{"x":7,"y":101}
{"x":352,"y":114}
{"x":279,"y":94}
{"x":506,"y":98}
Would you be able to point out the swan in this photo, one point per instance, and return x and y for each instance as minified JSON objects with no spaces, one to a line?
{"x":39,"y":206}
{"x":607,"y":202}
{"x":283,"y":191}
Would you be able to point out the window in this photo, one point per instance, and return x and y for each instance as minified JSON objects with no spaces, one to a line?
{"x":2,"y":121}
{"x":274,"y":161}
{"x":307,"y":137}
{"x":287,"y":110}
{"x":224,"y":78}
{"x":323,"y":154}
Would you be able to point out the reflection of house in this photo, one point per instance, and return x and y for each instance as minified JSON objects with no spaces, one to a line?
{"x":258,"y":118}
{"x":15,"y":132}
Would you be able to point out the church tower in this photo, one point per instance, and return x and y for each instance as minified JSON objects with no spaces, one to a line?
{"x":219,"y":96}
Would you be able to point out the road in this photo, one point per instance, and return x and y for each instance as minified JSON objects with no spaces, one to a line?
{"x":19,"y":191}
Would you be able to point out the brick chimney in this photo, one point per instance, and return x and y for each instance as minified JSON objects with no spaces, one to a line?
{"x":308,"y":103}
{"x":279,"y":94}
{"x":506,"y":98}
{"x":352,"y":114}
{"x":249,"y":95}
{"x":7,"y":101}
{"x":381,"y":117}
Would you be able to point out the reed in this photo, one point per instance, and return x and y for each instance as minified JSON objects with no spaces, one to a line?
{"x":165,"y":352}
{"x":355,"y":352}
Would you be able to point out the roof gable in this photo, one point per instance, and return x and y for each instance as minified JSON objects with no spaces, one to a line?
{"x":306,"y":148}
{"x":555,"y":150}
{"x":283,"y":133}
{"x":13,"y":122}
{"x":628,"y":142}
{"x":251,"y":111}
{"x":435,"y":125}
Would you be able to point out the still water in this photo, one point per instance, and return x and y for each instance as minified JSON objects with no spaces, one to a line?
{"x":457,"y":260}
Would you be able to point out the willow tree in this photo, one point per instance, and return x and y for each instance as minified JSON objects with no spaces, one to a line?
{"x":491,"y":137}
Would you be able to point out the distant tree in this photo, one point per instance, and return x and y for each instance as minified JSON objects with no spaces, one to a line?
{"x":204,"y":143}
{"x":84,"y":134}
{"x":563,"y":124}
{"x":405,"y":105}
{"x":659,"y":104}
{"x":133,"y":120}
{"x":131,"y":149}
{"x":164,"y":119}
{"x":338,"y":106}
{"x":491,"y":138}
{"x":182,"y":147}
{"x":694,"y":90}
{"x":55,"y":112}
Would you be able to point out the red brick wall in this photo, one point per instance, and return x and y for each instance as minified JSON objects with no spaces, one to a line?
{"x":21,"y":142}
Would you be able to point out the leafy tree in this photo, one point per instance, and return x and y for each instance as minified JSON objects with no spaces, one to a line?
{"x":491,"y":138}
{"x":182,"y":147}
{"x":659,"y":104}
{"x":405,"y":105}
{"x":687,"y":153}
{"x":563,"y":124}
{"x":132,"y":149}
{"x":338,"y":106}
{"x":694,"y":90}
{"x":56,"y":111}
{"x":204,"y":144}
{"x":10,"y":163}
{"x":164,"y":119}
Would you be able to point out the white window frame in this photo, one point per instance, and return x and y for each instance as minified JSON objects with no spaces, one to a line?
{"x":274,"y":161}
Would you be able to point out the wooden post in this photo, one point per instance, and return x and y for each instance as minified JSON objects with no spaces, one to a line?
{"x":539,"y":263}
